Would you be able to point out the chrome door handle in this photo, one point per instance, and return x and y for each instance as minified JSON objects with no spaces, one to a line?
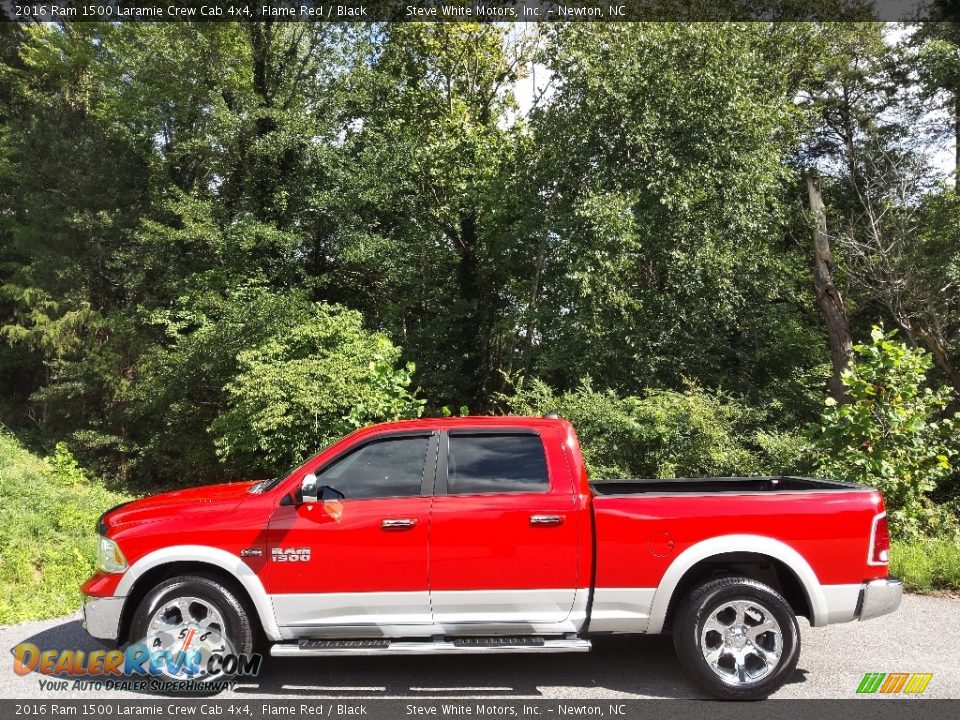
{"x":398,"y":523}
{"x":546,"y":519}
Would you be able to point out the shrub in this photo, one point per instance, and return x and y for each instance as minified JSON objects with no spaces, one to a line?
{"x":891,"y":434}
{"x":309,"y":385}
{"x":663,"y":434}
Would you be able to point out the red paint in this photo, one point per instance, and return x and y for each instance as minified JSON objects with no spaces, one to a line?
{"x":829,"y":529}
{"x":486,"y":541}
{"x":354,"y":553}
{"x":101,"y":584}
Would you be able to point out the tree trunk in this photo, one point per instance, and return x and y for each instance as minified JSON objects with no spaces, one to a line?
{"x":469,"y":331}
{"x":260,"y":38}
{"x":532,"y":307}
{"x":828,"y":297}
{"x":941,"y":357}
{"x":956,"y":140}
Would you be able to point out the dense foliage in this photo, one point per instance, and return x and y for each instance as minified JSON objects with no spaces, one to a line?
{"x":665,"y":433}
{"x":893,"y":433}
{"x":308,"y":384}
{"x":223,"y":245}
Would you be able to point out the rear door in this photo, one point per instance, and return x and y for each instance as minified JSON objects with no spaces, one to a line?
{"x":359,"y":563}
{"x":503,"y":534}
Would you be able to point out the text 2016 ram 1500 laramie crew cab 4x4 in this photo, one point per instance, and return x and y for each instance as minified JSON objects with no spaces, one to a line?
{"x":483,"y":535}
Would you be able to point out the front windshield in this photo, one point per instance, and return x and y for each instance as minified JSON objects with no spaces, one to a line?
{"x":265,"y":485}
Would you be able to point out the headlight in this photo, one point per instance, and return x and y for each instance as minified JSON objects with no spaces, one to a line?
{"x":109,"y":557}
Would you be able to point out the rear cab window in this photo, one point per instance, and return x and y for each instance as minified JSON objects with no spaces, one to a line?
{"x":494,"y":463}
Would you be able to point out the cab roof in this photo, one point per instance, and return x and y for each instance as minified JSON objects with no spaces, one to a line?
{"x":491,"y":421}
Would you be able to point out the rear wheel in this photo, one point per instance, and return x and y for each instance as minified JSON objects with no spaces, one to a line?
{"x":738,"y":638}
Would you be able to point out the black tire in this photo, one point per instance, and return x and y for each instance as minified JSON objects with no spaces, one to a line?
{"x":699,"y":608}
{"x":237,"y":626}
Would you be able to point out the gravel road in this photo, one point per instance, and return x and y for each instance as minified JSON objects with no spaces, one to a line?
{"x":923,"y":636}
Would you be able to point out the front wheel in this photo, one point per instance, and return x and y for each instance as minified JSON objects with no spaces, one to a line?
{"x":188,"y":625}
{"x":738,"y":638}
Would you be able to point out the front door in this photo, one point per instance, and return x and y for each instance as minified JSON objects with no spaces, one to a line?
{"x":503,"y":540}
{"x":358,"y":563}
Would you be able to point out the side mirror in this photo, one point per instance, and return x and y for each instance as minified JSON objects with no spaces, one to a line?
{"x":311,"y":492}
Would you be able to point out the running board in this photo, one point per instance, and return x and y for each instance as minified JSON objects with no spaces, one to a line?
{"x":458,"y":646}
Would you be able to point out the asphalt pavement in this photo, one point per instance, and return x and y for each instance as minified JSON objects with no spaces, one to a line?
{"x":922,"y":636}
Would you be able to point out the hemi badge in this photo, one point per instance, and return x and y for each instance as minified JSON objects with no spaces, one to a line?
{"x":251,"y":552}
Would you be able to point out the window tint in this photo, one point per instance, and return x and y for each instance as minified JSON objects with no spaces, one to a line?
{"x":392,"y":467}
{"x":496,"y":464}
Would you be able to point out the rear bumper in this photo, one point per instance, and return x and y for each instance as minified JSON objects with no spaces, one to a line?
{"x":879,"y":597}
{"x":101,"y":617}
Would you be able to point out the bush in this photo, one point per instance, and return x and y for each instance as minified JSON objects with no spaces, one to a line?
{"x":891,"y":434}
{"x":309,"y":385}
{"x":664,"y":433}
{"x":48,"y":511}
{"x":246,"y":382}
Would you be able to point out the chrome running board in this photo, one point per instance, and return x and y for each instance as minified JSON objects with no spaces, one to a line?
{"x":458,"y":646}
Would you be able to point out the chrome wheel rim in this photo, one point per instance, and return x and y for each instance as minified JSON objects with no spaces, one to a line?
{"x":187,"y":625}
{"x":741,"y":642}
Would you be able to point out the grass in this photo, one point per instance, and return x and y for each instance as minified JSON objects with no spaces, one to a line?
{"x":926,"y":566}
{"x":48,"y":510}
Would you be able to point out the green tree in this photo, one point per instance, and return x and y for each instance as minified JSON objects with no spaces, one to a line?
{"x":892,"y":434}
{"x":67,"y":203}
{"x":151,"y":176}
{"x":889,"y":215}
{"x":665,"y":251}
{"x":937,"y":59}
{"x":436,"y":157}
{"x":305,"y":386}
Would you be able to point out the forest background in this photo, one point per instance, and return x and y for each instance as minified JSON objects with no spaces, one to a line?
{"x":718,"y":249}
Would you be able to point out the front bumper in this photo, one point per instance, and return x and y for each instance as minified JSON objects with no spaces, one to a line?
{"x":879,"y":597}
{"x":101,"y":617}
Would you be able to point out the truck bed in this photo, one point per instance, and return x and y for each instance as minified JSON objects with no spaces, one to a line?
{"x":715,"y":485}
{"x":642,"y":526}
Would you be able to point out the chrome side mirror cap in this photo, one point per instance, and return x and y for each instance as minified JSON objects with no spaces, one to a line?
{"x":308,"y":488}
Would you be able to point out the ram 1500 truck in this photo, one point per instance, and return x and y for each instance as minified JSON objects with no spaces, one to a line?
{"x":484,"y":535}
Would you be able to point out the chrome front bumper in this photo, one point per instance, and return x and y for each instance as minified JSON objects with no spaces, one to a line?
{"x":101,"y":617}
{"x":880,"y":597}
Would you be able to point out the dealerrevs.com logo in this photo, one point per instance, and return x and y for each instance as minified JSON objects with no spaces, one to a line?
{"x":181,"y":658}
{"x":894,"y":683}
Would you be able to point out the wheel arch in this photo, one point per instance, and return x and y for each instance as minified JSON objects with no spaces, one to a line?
{"x":761,"y":558}
{"x":154,"y":568}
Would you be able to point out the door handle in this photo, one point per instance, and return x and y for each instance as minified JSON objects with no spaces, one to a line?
{"x":398,"y":523}
{"x":546,"y":519}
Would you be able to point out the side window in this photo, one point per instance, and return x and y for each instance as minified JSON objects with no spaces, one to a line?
{"x":496,"y":464}
{"x":392,"y":467}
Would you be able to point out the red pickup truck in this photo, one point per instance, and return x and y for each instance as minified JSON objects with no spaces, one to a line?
{"x":484,"y":535}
